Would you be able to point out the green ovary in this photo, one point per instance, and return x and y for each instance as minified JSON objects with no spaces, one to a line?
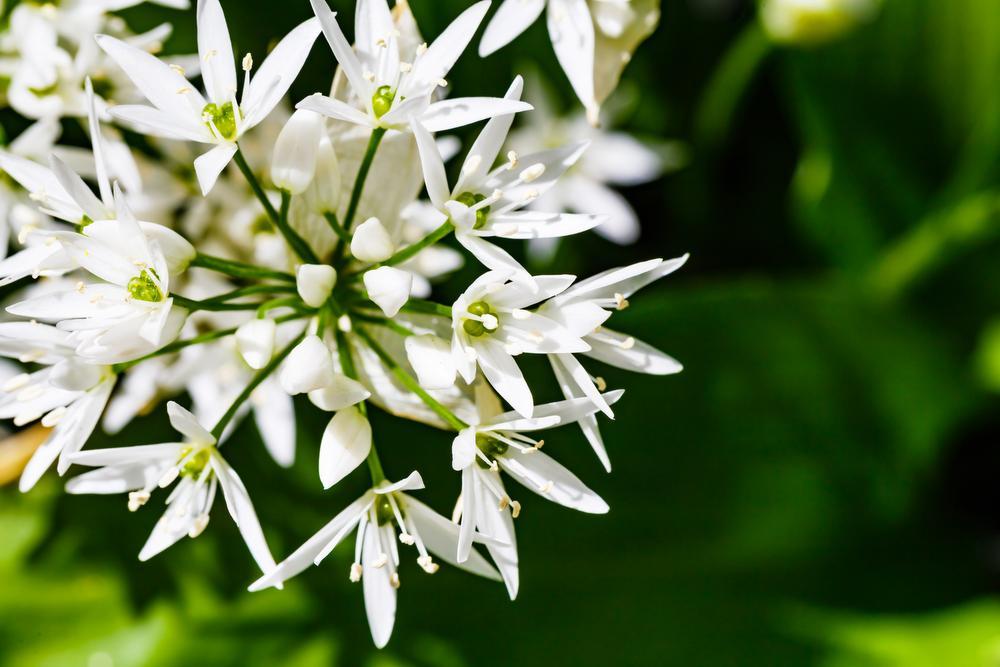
{"x":223,"y":118}
{"x":491,"y":447}
{"x":470,"y":200}
{"x":475,"y":327}
{"x":195,"y":464}
{"x":143,"y":287}
{"x":382,"y":100}
{"x":383,"y":510}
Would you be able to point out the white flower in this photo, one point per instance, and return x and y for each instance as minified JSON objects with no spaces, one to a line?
{"x":131,"y":313}
{"x":490,"y":326}
{"x":583,"y":309}
{"x":434,"y":262}
{"x":487,"y":203}
{"x":293,"y":162}
{"x":388,"y":287}
{"x":498,"y":443}
{"x":200,"y":469}
{"x":179,"y":111}
{"x":314,"y":282}
{"x":389,"y":92}
{"x":371,"y":242}
{"x":67,"y":394}
{"x":379,"y":516}
{"x":813,"y":21}
{"x":308,"y":367}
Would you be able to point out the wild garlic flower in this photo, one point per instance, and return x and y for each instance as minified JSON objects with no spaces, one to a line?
{"x":491,"y":326}
{"x":488,"y":202}
{"x":180,"y":111}
{"x":198,"y":470}
{"x":390,"y":92}
{"x":382,"y":514}
{"x":66,"y":394}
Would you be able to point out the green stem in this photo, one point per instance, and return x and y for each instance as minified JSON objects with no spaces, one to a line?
{"x":359,"y":182}
{"x":383,"y":322}
{"x":347,"y":366}
{"x":727,"y":85}
{"x":238,"y":269}
{"x":427,"y":307}
{"x":251,"y":290}
{"x":280,"y":220}
{"x":258,"y":377}
{"x":410,"y":382}
{"x":290,"y":301}
{"x":194,"y":305}
{"x":338,"y":229}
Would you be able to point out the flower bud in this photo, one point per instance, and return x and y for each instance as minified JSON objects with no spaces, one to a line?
{"x":371,"y":242}
{"x":345,"y":444}
{"x":339,"y":394}
{"x":813,"y":21}
{"x":325,"y":191}
{"x":314,"y":282}
{"x":389,"y":288}
{"x":308,"y":367}
{"x":293,"y":163}
{"x":255,"y":341}
{"x":431,"y":358}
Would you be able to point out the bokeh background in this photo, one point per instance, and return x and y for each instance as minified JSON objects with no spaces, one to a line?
{"x":818,"y":487}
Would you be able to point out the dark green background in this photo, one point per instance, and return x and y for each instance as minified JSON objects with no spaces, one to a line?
{"x":818,"y":487}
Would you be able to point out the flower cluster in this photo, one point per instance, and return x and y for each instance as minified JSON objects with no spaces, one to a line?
{"x":150,"y":272}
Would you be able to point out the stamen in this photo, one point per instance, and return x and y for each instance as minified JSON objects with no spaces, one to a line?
{"x":199,"y":526}
{"x":394,"y":580}
{"x":247,"y":62}
{"x":512,"y":159}
{"x":515,"y":509}
{"x":621,"y":303}
{"x":54,"y":417}
{"x":137,"y":499}
{"x":355,"y":575}
{"x":532,"y":173}
{"x":177,"y":68}
{"x":427,"y":564}
{"x":601,"y":384}
{"x":169,"y":477}
{"x":16,"y":382}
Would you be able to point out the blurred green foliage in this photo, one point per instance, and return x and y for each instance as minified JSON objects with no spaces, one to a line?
{"x":817,"y":488}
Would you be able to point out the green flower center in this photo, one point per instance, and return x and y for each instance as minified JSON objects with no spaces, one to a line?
{"x":43,"y":91}
{"x":223,"y":118}
{"x":382,"y":100}
{"x":470,"y":200}
{"x":143,"y":287}
{"x":475,"y":327}
{"x":383,"y":510}
{"x":491,"y":448}
{"x":84,"y":221}
{"x":195,"y":464}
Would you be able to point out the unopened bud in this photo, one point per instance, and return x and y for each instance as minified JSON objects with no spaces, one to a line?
{"x":255,"y":342}
{"x":293,"y":163}
{"x":314,"y":282}
{"x":389,"y":288}
{"x":371,"y":242}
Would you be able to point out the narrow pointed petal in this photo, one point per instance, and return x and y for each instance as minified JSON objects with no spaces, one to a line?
{"x":215,"y":52}
{"x":631,"y":354}
{"x":487,"y":146}
{"x":278,"y":71}
{"x":187,"y":424}
{"x":331,"y":108}
{"x":542,"y":474}
{"x":440,"y":536}
{"x":503,"y":374}
{"x":462,"y":111}
{"x":432,"y":164}
{"x":435,"y":64}
{"x":342,"y":51}
{"x":241,"y":509}
{"x":572,"y":32}
{"x":209,"y":165}
{"x":158,"y":123}
{"x":346,"y":443}
{"x":512,"y":18}
{"x":380,"y":596}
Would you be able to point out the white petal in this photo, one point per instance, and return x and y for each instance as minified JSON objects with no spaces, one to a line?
{"x":303,"y":557}
{"x":432,"y":360}
{"x":440,"y":536}
{"x":631,"y":354}
{"x":162,"y":85}
{"x":278,"y":71}
{"x":186,"y":423}
{"x":538,"y":225}
{"x":309,"y":366}
{"x":512,"y":18}
{"x":125,"y":456}
{"x":412,"y":482}
{"x":293,"y":161}
{"x":621,"y":224}
{"x":494,"y":258}
{"x":332,"y":108}
{"x":389,"y":288}
{"x":342,"y":51}
{"x":463,"y":449}
{"x":340,"y":393}
{"x":241,"y":509}
{"x":461,"y":111}
{"x":77,"y":189}
{"x":484,"y":151}
{"x":159,"y":123}
{"x":543,"y":475}
{"x":435,"y":64}
{"x":380,"y":596}
{"x":345,"y":445}
{"x":215,"y":52}
{"x":432,"y":165}
{"x":255,"y":342}
{"x":274,"y":414}
{"x":572,"y":32}
{"x":504,"y":375}
{"x":209,"y":165}
{"x":562,"y":412}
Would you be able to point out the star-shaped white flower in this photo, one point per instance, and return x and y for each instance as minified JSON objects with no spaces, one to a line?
{"x":379,"y":516}
{"x":180,"y":111}
{"x":388,"y":91}
{"x":487,"y":203}
{"x":490,"y":326}
{"x":67,"y":394}
{"x":199,"y":470}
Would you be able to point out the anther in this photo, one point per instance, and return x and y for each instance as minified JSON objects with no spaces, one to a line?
{"x":427,"y":564}
{"x":512,"y":158}
{"x":137,"y":499}
{"x":515,"y":509}
{"x":380,"y":563}
{"x":168,"y":477}
{"x":394,"y":580}
{"x":178,"y":69}
{"x":504,"y":503}
{"x":601,"y":384}
{"x":621,"y":303}
{"x":545,"y":488}
{"x":247,"y":62}
{"x":198,"y":527}
{"x":355,"y":575}
{"x":406,"y":538}
{"x":533,"y":172}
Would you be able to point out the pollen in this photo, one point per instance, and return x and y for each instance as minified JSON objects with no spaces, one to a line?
{"x":355,"y":575}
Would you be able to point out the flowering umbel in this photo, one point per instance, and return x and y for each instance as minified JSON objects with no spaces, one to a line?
{"x":307,"y":270}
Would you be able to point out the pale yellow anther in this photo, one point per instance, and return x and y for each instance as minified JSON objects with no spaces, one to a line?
{"x":621,"y":303}
{"x":247,"y":62}
{"x":355,"y":575}
{"x":183,"y":90}
{"x":504,"y":503}
{"x":406,"y":538}
{"x":137,"y":499}
{"x":178,"y":69}
{"x":80,"y":287}
{"x":422,"y":49}
{"x":545,"y":488}
{"x":512,"y":159}
{"x":601,"y":384}
{"x":381,"y":562}
{"x":405,"y":68}
{"x":515,"y":509}
{"x":628,"y":343}
{"x":394,"y":580}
